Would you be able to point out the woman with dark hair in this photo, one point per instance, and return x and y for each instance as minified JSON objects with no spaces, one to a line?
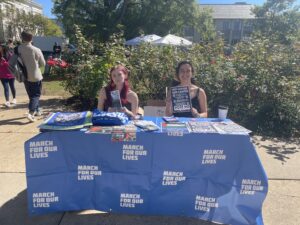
{"x":119,"y":81}
{"x":184,"y":75}
{"x":7,"y":78}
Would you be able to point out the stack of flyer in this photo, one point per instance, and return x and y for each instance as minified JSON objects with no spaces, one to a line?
{"x":118,"y":133}
{"x":201,"y":127}
{"x":175,"y":127}
{"x":100,"y":130}
{"x":217,"y":127}
{"x":67,"y":121}
{"x":146,"y":125}
{"x":230,"y":128}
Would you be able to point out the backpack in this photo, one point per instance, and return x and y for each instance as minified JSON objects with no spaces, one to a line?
{"x":17,"y":67}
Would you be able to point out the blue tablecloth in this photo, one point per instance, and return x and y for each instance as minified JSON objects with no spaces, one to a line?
{"x":208,"y":176}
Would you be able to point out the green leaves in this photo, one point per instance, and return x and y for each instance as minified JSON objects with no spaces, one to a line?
{"x":37,"y":24}
{"x":259,"y":82}
{"x":271,"y":88}
{"x":99,"y":19}
{"x":278,"y":20}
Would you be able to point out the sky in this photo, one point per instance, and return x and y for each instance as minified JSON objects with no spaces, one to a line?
{"x":47,"y":4}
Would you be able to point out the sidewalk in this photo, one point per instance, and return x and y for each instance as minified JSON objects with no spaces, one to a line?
{"x":281,"y":161}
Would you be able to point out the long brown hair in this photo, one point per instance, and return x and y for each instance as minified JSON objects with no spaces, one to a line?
{"x":111,"y":86}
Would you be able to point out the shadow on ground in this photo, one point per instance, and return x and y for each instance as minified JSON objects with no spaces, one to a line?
{"x":14,"y":212}
{"x":47,"y":106}
{"x":280,"y":149}
{"x":14,"y":121}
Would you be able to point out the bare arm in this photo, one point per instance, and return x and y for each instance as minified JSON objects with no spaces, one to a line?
{"x":133,"y":99}
{"x":169,"y":111}
{"x":203,"y":103}
{"x":101,"y":99}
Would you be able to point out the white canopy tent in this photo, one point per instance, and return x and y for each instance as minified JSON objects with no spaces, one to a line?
{"x":171,"y":39}
{"x":146,"y":38}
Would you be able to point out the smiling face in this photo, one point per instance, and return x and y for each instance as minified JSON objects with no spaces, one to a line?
{"x":185,"y":73}
{"x":118,"y":76}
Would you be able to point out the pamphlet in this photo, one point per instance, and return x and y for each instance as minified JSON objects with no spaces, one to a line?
{"x":201,"y":127}
{"x":175,"y":129}
{"x":146,"y":125}
{"x":100,"y":130}
{"x":230,"y":128}
{"x":170,"y":119}
{"x":181,"y":100}
{"x":118,"y":133}
{"x":123,"y":133}
{"x":116,"y":99}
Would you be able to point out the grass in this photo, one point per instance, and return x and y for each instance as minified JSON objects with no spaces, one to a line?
{"x":54,"y":88}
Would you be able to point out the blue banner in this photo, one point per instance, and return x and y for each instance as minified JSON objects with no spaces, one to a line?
{"x":215,"y":177}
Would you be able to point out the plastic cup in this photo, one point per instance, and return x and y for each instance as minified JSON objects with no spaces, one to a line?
{"x":222,"y":112}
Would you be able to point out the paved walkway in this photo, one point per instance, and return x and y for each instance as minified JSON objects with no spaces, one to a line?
{"x":280,"y":159}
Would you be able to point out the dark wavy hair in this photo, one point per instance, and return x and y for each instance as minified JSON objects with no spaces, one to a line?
{"x":177,"y":82}
{"x":111,"y":86}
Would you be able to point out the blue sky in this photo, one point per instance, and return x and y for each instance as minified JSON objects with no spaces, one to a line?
{"x":47,"y":4}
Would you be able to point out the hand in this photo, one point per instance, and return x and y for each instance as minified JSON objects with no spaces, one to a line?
{"x":111,"y":109}
{"x":126,"y":111}
{"x":195,"y":113}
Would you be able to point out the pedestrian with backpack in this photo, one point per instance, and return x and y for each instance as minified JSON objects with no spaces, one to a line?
{"x":6,"y":77}
{"x":33,"y":59}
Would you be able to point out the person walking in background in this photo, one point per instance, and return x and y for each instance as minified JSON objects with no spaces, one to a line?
{"x":56,"y":50}
{"x":7,"y":79}
{"x":10,"y":46}
{"x":33,"y":59}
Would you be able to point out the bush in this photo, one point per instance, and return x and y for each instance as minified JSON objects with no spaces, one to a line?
{"x":276,"y":118}
{"x":267,"y":101}
{"x":88,"y":71}
{"x":153,"y":68}
{"x":259,"y":81}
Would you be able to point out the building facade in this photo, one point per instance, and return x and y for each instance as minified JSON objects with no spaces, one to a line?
{"x":233,"y":21}
{"x":13,"y":7}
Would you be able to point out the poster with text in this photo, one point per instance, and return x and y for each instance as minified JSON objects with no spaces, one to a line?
{"x":181,"y":100}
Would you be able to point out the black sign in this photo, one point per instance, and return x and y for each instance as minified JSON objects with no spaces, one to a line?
{"x":181,"y":100}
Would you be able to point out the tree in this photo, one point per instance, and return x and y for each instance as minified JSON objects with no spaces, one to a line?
{"x":37,"y":24}
{"x":7,"y":1}
{"x":204,"y":24}
{"x":99,"y":19}
{"x":51,"y":28}
{"x":279,"y":20}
